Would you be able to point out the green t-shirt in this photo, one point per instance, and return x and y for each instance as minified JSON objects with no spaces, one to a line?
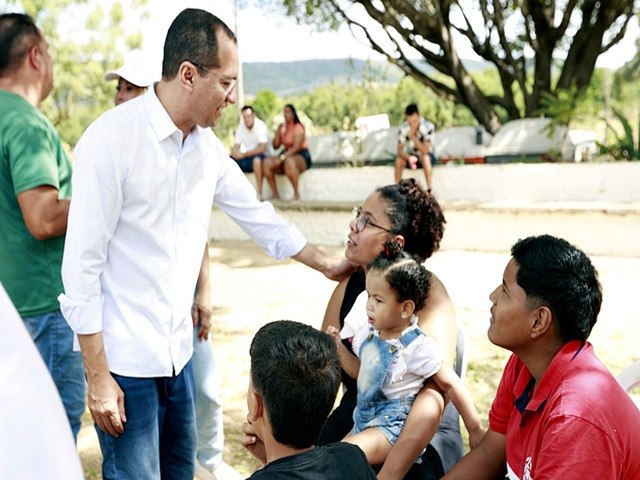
{"x":31,"y":155}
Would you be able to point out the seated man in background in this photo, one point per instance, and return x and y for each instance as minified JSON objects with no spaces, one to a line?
{"x":250,"y":145}
{"x":558,"y":412}
{"x":414,"y":144}
{"x":294,"y":380}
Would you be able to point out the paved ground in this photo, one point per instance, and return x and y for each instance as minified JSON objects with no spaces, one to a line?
{"x":250,"y":289}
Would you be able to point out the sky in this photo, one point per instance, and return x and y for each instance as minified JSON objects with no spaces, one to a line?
{"x":264,"y":37}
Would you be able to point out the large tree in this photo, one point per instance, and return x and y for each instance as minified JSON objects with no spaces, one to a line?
{"x":540,"y":49}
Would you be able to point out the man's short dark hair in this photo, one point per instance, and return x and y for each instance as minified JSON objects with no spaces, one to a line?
{"x":18,"y":33}
{"x":192,"y":37}
{"x":296,"y":371}
{"x":247,"y":107}
{"x":554,"y":273}
{"x":411,"y":109}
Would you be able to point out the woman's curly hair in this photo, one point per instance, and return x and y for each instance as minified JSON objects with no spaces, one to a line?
{"x":416,"y":215}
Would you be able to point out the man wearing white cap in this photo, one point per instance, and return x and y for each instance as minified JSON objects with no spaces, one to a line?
{"x":133,"y":80}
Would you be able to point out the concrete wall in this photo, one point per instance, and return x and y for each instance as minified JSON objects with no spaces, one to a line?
{"x":488,"y":207}
{"x":513,"y":183}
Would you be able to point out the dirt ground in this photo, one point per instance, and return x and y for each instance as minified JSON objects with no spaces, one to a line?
{"x":250,"y":289}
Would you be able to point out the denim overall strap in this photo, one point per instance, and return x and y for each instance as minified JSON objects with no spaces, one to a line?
{"x":410,"y":336}
{"x":376,"y":356}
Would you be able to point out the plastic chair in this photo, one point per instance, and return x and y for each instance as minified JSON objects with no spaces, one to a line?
{"x":629,"y":378}
{"x":462,"y":359}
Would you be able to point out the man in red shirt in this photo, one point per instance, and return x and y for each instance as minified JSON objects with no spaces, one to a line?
{"x":558,"y":412}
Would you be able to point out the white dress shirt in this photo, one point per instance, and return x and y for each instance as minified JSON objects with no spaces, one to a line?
{"x":137,"y":232}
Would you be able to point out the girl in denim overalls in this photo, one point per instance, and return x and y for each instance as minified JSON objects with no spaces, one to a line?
{"x":395,"y":357}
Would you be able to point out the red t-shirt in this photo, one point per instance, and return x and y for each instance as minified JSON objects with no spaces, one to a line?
{"x":579,"y":424}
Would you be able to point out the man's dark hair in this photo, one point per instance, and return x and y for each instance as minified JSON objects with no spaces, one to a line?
{"x":554,"y":273}
{"x":18,"y":33}
{"x":247,"y":107}
{"x":296,"y":371}
{"x":193,"y":37}
{"x":411,"y":109}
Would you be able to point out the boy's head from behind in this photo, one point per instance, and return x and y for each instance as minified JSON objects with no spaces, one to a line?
{"x":295,"y":376}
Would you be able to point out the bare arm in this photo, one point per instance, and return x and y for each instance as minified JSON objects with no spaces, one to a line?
{"x":202,"y":302}
{"x":454,"y":387}
{"x":332,"y":268}
{"x":437,"y":319}
{"x":105,"y":399}
{"x":486,"y":462}
{"x":45,"y":215}
{"x":332,"y":313}
{"x":348,"y":361}
{"x":277,"y":140}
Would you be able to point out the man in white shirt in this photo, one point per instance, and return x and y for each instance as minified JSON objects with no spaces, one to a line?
{"x":250,"y":147}
{"x":147,"y":175}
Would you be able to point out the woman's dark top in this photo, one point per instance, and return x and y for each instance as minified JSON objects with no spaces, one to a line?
{"x":445,"y":448}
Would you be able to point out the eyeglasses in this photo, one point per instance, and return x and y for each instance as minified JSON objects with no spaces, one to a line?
{"x":363,"y":220}
{"x":228,"y":84}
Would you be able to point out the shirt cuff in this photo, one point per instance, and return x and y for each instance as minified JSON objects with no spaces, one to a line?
{"x":83,"y":318}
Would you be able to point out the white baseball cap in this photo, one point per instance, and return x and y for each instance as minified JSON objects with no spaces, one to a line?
{"x":134,"y":70}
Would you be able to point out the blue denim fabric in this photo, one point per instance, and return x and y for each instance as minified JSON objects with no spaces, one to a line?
{"x":54,"y":340}
{"x":374,"y":409}
{"x":159,"y":439}
{"x":208,"y":404}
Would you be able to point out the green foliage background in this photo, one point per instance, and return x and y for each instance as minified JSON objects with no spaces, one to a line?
{"x":81,"y":94}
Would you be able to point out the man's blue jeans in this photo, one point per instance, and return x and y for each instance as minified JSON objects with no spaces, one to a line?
{"x":208,"y":404}
{"x":159,"y":439}
{"x":54,"y":339}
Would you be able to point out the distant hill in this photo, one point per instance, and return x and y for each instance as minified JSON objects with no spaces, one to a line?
{"x":289,"y":78}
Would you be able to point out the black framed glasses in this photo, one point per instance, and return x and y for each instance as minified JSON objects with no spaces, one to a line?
{"x":362,"y":220}
{"x":228,"y":84}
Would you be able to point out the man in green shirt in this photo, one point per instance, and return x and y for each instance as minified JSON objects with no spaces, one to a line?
{"x":35,"y":192}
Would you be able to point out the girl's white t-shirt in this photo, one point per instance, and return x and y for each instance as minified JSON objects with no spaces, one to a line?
{"x":414,"y":363}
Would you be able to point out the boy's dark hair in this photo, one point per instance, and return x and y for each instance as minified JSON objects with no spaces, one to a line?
{"x":18,"y":33}
{"x":193,"y":37}
{"x":296,"y":370}
{"x":407,"y":277}
{"x":554,"y":273}
{"x":416,"y":215}
{"x":411,"y":109}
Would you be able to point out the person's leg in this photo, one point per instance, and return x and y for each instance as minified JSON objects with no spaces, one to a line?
{"x":399,"y":166}
{"x":178,"y":426}
{"x":257,"y":170}
{"x":294,"y":165}
{"x":373,"y":443}
{"x":270,"y":167}
{"x":209,"y":419}
{"x":54,"y":339}
{"x":136,"y":452}
{"x":425,"y":160}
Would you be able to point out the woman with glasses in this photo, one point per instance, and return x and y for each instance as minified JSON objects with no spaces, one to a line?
{"x":406,"y":214}
{"x":293,"y":159}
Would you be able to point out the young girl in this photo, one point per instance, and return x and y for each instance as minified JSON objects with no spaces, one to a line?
{"x":395,"y":357}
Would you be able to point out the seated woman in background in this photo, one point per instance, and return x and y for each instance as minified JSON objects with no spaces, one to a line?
{"x":404,"y":213}
{"x":294,"y":159}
